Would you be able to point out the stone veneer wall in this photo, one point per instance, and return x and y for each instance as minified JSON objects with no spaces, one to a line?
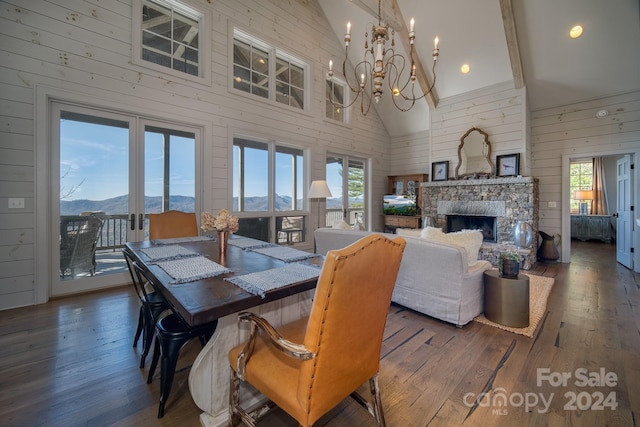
{"x":510,"y":200}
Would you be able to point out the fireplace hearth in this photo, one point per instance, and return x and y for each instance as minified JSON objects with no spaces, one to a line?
{"x":486,"y":224}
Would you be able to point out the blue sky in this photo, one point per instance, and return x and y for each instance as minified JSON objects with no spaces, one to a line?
{"x":94,"y":162}
{"x":94,"y":165}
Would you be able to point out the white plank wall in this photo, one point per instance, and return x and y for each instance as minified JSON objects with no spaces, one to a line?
{"x":83,"y":47}
{"x":574,"y":131}
{"x":410,"y":154}
{"x":498,"y":110}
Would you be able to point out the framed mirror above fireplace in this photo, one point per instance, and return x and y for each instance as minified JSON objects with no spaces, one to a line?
{"x":474,"y":156}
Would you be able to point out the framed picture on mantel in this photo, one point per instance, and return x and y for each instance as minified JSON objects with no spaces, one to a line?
{"x":508,"y":165}
{"x":440,"y":171}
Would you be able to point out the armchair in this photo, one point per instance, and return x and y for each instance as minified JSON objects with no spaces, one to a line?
{"x":78,"y":239}
{"x":309,"y":366}
{"x":171,"y":224}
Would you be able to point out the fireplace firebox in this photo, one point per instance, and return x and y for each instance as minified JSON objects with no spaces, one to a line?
{"x":486,"y":224}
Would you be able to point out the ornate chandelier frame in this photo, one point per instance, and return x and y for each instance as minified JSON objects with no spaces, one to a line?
{"x":380,"y":63}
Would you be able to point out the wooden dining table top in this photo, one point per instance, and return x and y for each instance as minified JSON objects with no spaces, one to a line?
{"x":206,"y":300}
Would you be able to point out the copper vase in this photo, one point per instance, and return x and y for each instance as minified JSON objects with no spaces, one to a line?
{"x":223,"y":242}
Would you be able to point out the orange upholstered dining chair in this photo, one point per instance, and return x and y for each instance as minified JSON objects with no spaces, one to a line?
{"x":171,"y":224}
{"x":309,"y":366}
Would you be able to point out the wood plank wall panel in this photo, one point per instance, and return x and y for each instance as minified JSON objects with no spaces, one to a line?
{"x":84,"y":47}
{"x":497,"y":110}
{"x":410,"y":154}
{"x":575,"y":131}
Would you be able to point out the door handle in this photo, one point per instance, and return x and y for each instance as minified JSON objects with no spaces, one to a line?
{"x":141,"y":222}
{"x":132,"y":221}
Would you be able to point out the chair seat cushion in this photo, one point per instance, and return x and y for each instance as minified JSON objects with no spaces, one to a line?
{"x":280,"y":366}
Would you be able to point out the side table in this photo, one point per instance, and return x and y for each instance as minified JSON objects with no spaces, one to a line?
{"x":506,"y":301}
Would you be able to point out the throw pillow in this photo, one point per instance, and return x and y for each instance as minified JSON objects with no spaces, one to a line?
{"x":470,"y":240}
{"x":341,"y":225}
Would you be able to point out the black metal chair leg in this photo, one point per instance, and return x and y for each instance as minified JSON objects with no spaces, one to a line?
{"x":140,"y":326}
{"x":170,"y":352}
{"x":154,"y":362}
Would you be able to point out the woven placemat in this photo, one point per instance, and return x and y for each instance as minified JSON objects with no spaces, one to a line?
{"x":284,"y":253}
{"x":167,"y":252}
{"x":263,"y":281}
{"x":185,"y":270}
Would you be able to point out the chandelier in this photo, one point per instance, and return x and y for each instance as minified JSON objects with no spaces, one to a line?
{"x":379,"y":63}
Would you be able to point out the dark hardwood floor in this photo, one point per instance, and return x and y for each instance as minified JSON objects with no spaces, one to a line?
{"x":70,"y":362}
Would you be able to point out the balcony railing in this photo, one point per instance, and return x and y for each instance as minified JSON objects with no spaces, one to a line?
{"x":352,"y":215}
{"x":114,"y":231}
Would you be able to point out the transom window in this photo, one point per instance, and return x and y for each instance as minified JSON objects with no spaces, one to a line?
{"x":580,"y":178}
{"x":335,"y":91}
{"x":169,"y":34}
{"x":268,"y":190}
{"x":262,"y":70}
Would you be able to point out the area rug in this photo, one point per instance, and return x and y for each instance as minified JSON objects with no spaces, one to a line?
{"x":539,"y":289}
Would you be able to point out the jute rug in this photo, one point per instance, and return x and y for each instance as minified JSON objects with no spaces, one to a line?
{"x":539,"y":289}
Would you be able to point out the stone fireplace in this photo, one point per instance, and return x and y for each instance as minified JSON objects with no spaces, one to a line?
{"x":491,"y":205}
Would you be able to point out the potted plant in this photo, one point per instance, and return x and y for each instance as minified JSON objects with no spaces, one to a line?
{"x":509,"y":264}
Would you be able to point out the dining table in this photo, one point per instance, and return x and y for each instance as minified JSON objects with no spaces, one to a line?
{"x":203,"y":285}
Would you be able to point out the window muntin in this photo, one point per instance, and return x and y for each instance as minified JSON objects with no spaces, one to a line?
{"x":580,"y":178}
{"x":334,"y":91}
{"x":262,"y":70}
{"x":289,"y":83}
{"x":171,"y":35}
{"x":250,"y":68}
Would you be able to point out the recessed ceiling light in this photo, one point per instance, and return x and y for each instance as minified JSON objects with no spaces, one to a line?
{"x":602,"y":114}
{"x":464,"y":68}
{"x":575,"y":32}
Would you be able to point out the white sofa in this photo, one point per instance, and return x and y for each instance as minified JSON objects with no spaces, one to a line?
{"x":434,"y":277}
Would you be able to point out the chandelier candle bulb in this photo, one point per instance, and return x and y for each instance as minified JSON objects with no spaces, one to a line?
{"x":330,"y":65}
{"x":435,"y":43}
{"x":411,"y":24}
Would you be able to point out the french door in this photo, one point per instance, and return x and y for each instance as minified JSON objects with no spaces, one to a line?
{"x":624,"y":224}
{"x":109,"y":170}
{"x":346,"y":178}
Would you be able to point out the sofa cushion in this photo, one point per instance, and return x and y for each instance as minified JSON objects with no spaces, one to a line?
{"x":411,"y":232}
{"x":470,"y":240}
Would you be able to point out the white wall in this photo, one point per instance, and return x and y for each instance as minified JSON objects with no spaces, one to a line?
{"x":573,"y":131}
{"x":499,"y":110}
{"x":80,"y":50}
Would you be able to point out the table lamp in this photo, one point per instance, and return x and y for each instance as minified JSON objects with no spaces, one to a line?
{"x":319,"y":190}
{"x":583,"y":196}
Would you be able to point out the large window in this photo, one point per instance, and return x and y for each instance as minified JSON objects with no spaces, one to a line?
{"x":169,"y":35}
{"x":262,"y":70}
{"x":580,"y":178}
{"x":268,"y":190}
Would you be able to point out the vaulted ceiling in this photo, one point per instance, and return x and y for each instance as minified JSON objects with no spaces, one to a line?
{"x":525,"y":43}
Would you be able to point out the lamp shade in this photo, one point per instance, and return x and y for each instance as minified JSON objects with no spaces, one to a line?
{"x":319,"y":190}
{"x":583,"y":195}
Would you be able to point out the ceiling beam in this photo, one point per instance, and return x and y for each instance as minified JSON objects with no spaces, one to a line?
{"x":421,"y":75}
{"x":506,"y":8}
